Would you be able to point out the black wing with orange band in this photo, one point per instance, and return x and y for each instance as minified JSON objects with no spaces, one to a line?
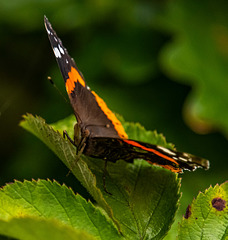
{"x":90,"y":110}
{"x":114,"y":149}
{"x":108,"y":139}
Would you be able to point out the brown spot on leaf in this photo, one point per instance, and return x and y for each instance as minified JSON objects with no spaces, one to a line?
{"x":218,"y":203}
{"x":188,"y":212}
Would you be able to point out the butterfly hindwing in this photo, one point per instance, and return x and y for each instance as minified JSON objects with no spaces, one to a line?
{"x":128,"y":150}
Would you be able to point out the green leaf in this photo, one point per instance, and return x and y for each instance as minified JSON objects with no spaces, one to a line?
{"x":198,"y":56}
{"x":45,"y":210}
{"x":207,"y":217}
{"x":66,"y":152}
{"x":144,"y":197}
{"x":33,"y":228}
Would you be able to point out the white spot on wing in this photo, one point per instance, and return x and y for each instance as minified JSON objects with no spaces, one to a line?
{"x":185,"y":154}
{"x":165,"y":150}
{"x":61,"y":49}
{"x":88,"y":88}
{"x":57,"y":52}
{"x":48,"y":31}
{"x":67,"y":61}
{"x":183,"y":159}
{"x":55,"y":39}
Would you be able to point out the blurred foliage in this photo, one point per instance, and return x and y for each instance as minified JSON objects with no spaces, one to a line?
{"x":128,"y":52}
{"x":198,"y":56}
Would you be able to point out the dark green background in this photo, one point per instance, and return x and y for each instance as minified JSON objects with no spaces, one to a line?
{"x":123,"y":50}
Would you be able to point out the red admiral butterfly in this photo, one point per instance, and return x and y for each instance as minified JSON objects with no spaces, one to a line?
{"x":98,"y":133}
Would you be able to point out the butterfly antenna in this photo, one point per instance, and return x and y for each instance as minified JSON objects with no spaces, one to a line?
{"x":60,"y":93}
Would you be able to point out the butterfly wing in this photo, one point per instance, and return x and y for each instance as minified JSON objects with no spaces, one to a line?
{"x":128,"y":150}
{"x":108,"y":139}
{"x":90,"y":110}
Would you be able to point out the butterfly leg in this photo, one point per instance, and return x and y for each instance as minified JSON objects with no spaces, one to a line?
{"x":81,"y":146}
{"x":78,"y":153}
{"x":65,"y":134}
{"x":80,"y":149}
{"x":104,"y":177}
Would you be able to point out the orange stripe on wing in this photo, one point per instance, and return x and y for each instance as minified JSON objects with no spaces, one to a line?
{"x":150,"y":150}
{"x":111,"y":116}
{"x":74,"y":77}
{"x":171,"y":168}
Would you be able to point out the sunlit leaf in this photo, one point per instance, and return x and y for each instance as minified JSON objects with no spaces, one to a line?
{"x":144,"y":197}
{"x":207,"y":216}
{"x":46,"y":210}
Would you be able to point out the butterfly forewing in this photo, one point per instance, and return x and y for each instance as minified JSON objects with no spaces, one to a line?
{"x":90,"y":110}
